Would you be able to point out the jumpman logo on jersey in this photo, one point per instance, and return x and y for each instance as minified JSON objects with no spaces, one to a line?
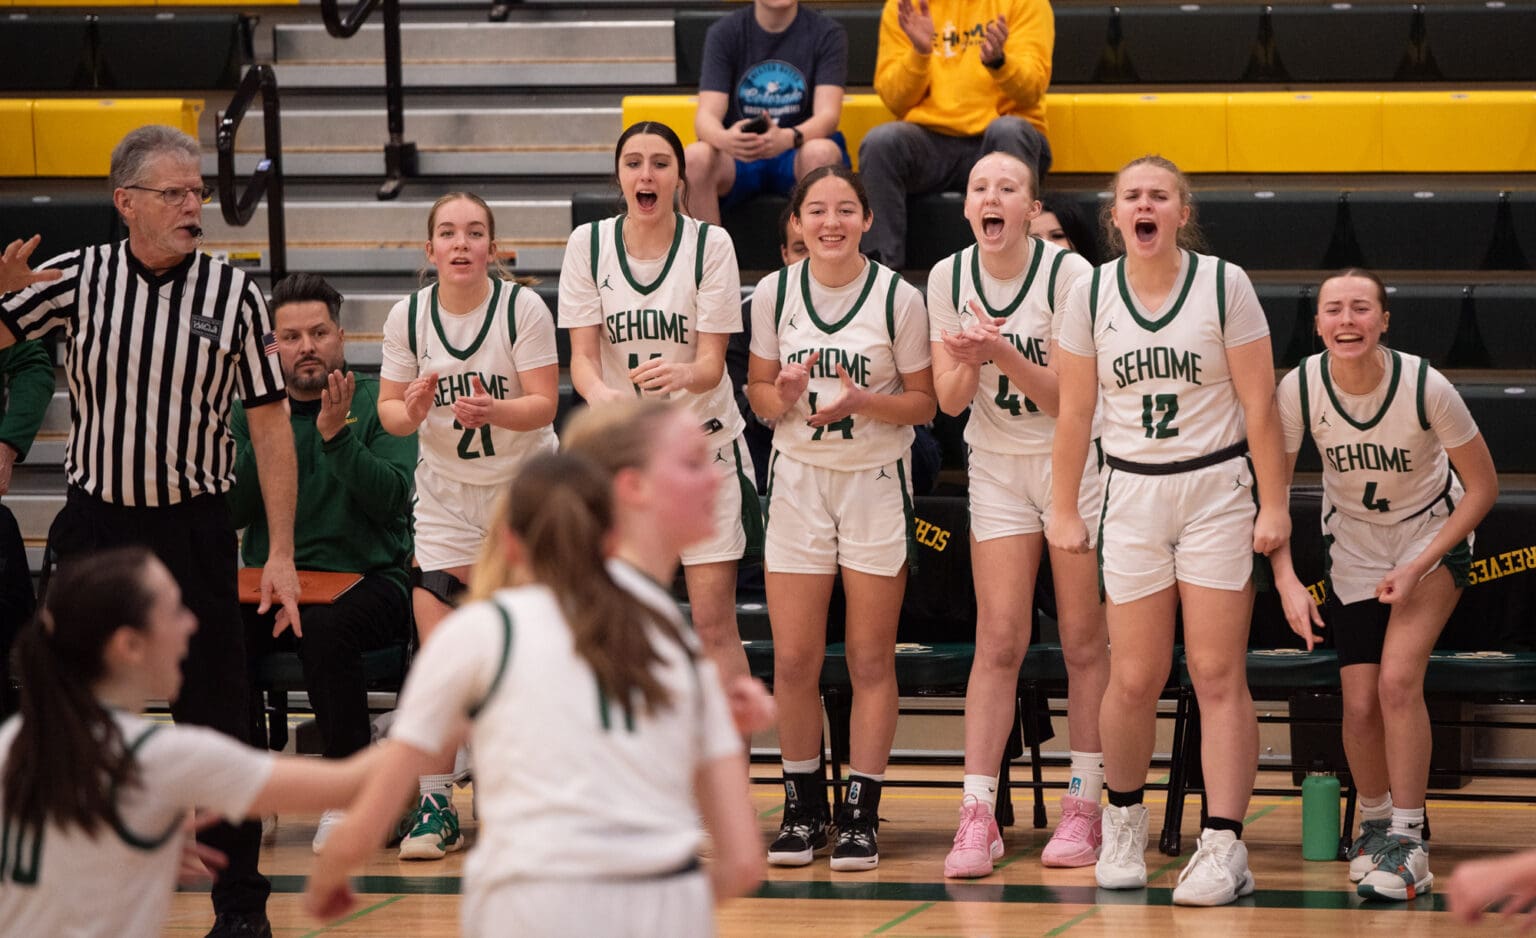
{"x":604,"y":285}
{"x":1109,"y":326}
{"x":882,"y":475}
{"x":719,"y":455}
{"x":791,"y":322}
{"x":1322,"y":420}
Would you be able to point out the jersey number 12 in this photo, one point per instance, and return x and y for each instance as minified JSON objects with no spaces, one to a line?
{"x":1168,"y":406}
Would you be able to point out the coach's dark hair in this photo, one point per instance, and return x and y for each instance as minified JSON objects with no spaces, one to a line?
{"x":307,"y":288}
{"x":560,"y":507}
{"x":1190,"y":237}
{"x":797,"y":198}
{"x":69,"y":756}
{"x":658,"y":129}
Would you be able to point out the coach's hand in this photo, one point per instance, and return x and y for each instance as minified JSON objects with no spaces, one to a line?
{"x":16,"y":272}
{"x":280,"y":581}
{"x":335,"y":404}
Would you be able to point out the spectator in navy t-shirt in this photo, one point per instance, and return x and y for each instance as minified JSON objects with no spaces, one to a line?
{"x":773,"y":59}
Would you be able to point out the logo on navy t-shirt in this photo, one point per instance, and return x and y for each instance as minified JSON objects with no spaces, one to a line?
{"x":772,"y":86}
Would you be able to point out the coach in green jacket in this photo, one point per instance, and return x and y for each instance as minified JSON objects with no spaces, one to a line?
{"x":353,"y":510}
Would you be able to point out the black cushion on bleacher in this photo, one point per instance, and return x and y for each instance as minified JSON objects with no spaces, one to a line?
{"x":1425,"y":319}
{"x":1424,"y":230}
{"x":862,"y":24}
{"x":1506,"y":322}
{"x":1189,"y":43}
{"x":754,"y":226}
{"x":936,"y":228}
{"x":191,"y":51}
{"x":1522,"y":217}
{"x":1080,"y":40}
{"x":1268,"y":230}
{"x":1483,"y":42}
{"x":1342,"y":43}
{"x":1506,"y":415}
{"x":47,"y":52}
{"x":1288,"y":309}
{"x":65,"y":222}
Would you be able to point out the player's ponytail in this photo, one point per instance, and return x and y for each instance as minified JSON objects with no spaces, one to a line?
{"x":68,"y":756}
{"x":560,"y":509}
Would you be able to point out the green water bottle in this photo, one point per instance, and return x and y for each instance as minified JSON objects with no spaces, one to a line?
{"x":1320,"y":814}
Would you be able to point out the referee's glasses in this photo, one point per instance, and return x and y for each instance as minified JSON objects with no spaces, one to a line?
{"x":175,"y":195}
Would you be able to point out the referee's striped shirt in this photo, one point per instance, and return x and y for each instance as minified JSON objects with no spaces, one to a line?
{"x":154,"y":363}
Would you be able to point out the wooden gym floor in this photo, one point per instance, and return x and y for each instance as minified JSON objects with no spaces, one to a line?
{"x":907,"y":896}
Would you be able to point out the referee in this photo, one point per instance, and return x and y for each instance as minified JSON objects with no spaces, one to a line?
{"x":159,"y":340}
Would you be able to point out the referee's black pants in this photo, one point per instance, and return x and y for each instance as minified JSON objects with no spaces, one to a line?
{"x":375,"y":613}
{"x":196,"y":542}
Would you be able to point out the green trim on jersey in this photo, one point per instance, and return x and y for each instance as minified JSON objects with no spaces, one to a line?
{"x":1029,"y":279}
{"x":954,"y":282}
{"x":698,"y":255}
{"x":810,"y":308}
{"x":909,"y":514}
{"x":595,"y":243}
{"x":1093,"y":299}
{"x":1178,"y":304}
{"x":1221,"y":294}
{"x":410,"y":327}
{"x":778,"y":301}
{"x":127,"y":836}
{"x":619,"y":249}
{"x":1423,"y":374}
{"x":1397,"y":368}
{"x":485,"y":326}
{"x":1050,"y":284}
{"x":890,"y":309}
{"x":501,"y":666}
{"x":773,"y":462}
{"x":512,"y":316}
{"x":752,"y":522}
{"x":1306,"y":404}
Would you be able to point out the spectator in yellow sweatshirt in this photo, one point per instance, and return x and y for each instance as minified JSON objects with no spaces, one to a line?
{"x":966,"y":77}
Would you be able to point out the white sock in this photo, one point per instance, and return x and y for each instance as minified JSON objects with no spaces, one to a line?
{"x":1408,"y":822}
{"x":872,"y":776}
{"x":802,"y":767}
{"x":983,"y":788}
{"x":436,"y":785}
{"x":1087,"y":776}
{"x":1379,"y":810}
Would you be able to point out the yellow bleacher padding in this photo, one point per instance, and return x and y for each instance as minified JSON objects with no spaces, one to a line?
{"x":1317,"y":132}
{"x":1060,"y":119}
{"x":1459,"y":131}
{"x":75,"y":137}
{"x":861,"y":114}
{"x":16,"y":158}
{"x":674,"y":110}
{"x":1110,"y":130}
{"x":226,"y":3}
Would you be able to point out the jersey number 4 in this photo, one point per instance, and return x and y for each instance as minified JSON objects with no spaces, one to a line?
{"x":845,"y":426}
{"x":1013,"y":403}
{"x":1165,"y":404}
{"x":467,"y":441}
{"x":1371,"y":502}
{"x":21,"y":851}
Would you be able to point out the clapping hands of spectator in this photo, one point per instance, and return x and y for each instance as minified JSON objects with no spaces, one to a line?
{"x":992,"y":42}
{"x":917,"y":23}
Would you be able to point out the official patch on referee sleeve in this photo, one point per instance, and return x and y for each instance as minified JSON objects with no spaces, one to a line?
{"x":269,"y":344}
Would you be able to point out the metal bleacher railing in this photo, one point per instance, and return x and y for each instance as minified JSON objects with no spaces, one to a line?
{"x":268,"y":178}
{"x":399,"y":153}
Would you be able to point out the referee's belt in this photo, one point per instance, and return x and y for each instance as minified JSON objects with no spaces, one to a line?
{"x":1240,"y":448}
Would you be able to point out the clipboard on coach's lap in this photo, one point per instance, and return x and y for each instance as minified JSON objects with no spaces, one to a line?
{"x":316,"y":587}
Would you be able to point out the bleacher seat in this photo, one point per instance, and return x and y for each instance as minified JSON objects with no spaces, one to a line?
{"x":1342,"y":42}
{"x":1424,"y":229}
{"x":75,"y":136}
{"x":1337,"y":131}
{"x":1459,"y":131}
{"x":17,"y":156}
{"x":1506,"y":323}
{"x":1506,"y":415}
{"x":1189,"y":42}
{"x":1426,"y":318}
{"x":47,"y":52}
{"x":194,"y":51}
{"x":1483,"y":41}
{"x":65,"y":221}
{"x":1080,"y":38}
{"x":1268,"y":229}
{"x":1288,"y":310}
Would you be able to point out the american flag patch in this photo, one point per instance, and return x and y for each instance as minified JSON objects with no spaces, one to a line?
{"x":269,"y":343}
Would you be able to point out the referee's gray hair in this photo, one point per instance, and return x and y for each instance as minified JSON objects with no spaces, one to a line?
{"x":143,"y":143}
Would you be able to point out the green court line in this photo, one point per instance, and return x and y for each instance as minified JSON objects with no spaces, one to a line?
{"x":1161,"y":781}
{"x":1173,"y":864}
{"x":1070,"y":922}
{"x":903,"y":917}
{"x":1267,"y":809}
{"x":354,"y":916}
{"x":979,"y":891}
{"x":770,"y":812}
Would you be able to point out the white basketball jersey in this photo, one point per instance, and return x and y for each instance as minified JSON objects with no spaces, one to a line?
{"x":1165,"y":390}
{"x":661,"y":317}
{"x":1003,"y":420}
{"x":61,"y":881}
{"x":1383,"y":464}
{"x":568,"y":785}
{"x":511,"y":332}
{"x":868,"y":328}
